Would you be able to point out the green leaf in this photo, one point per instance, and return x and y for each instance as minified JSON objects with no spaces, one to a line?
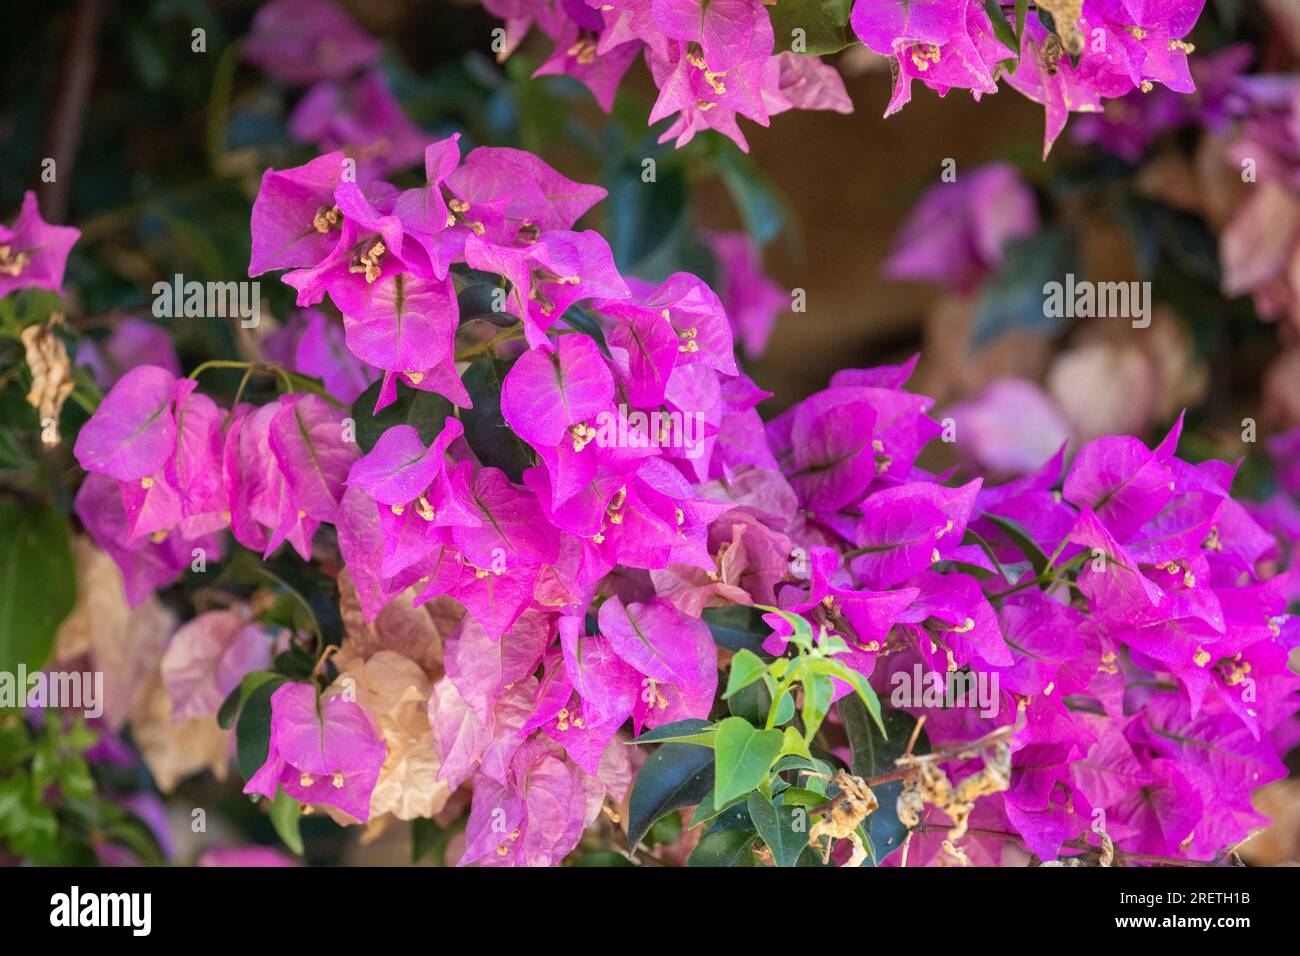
{"x":784,"y":709}
{"x":486,"y":430}
{"x":1022,"y":540}
{"x":692,"y":730}
{"x":643,"y":216}
{"x":477,"y":301}
{"x":602,"y":858}
{"x":724,"y":848}
{"x":866,"y":693}
{"x":286,"y":815}
{"x":746,"y":667}
{"x":776,"y":825}
{"x":974,"y":537}
{"x":666,"y":830}
{"x":760,"y":205}
{"x":977,"y":571}
{"x":310,"y":598}
{"x":737,"y":627}
{"x":752,"y":702}
{"x":1001,"y":29}
{"x":425,"y":835}
{"x":794,"y":761}
{"x":872,"y":755}
{"x":817,"y":691}
{"x":706,"y":812}
{"x":1022,"y":11}
{"x":1013,"y":297}
{"x":229,"y":709}
{"x":824,"y":24}
{"x":235,"y":700}
{"x":802,"y":797}
{"x":674,"y":776}
{"x":253,"y":729}
{"x":830,"y":644}
{"x":27,"y":827}
{"x":38,"y":582}
{"x":734,"y":817}
{"x":792,"y":742}
{"x":425,"y":411}
{"x":802,"y":636}
{"x":580,"y":320}
{"x":744,"y":756}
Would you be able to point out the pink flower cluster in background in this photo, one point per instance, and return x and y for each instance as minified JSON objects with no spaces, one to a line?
{"x":714,"y":61}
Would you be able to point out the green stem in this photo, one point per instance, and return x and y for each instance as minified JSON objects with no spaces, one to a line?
{"x":782,"y":686}
{"x":1049,"y":575}
{"x":505,"y":335}
{"x":291,"y":381}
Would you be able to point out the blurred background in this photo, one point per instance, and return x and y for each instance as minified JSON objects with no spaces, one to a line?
{"x":160,"y":131}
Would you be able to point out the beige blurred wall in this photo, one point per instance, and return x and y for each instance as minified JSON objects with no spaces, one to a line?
{"x":851,"y":181}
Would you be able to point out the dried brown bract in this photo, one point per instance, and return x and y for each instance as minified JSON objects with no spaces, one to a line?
{"x":47,"y":357}
{"x":855,"y":803}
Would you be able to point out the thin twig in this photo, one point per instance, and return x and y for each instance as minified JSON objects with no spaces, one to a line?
{"x":70,"y":108}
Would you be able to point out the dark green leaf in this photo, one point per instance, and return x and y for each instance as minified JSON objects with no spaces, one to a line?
{"x":1013,"y":298}
{"x":824,"y":24}
{"x":737,"y":627}
{"x":974,"y":537}
{"x":644,"y":215}
{"x":782,"y":828}
{"x":1022,"y":540}
{"x":478,"y":301}
{"x":751,"y":703}
{"x":666,"y":830}
{"x":38,"y":582}
{"x":602,"y":858}
{"x":692,"y":730}
{"x":426,"y":411}
{"x":253,"y":729}
{"x":1001,"y":29}
{"x":235,"y":700}
{"x":734,"y":816}
{"x":794,"y":762}
{"x":581,"y":320}
{"x":873,"y":755}
{"x":310,"y":598}
{"x":801,"y":797}
{"x":724,"y":848}
{"x":230,"y":708}
{"x":424,"y":837}
{"x":674,"y":776}
{"x":486,"y":430}
{"x":706,"y":812}
{"x":755,"y":196}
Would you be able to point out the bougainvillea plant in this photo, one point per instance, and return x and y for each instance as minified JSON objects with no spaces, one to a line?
{"x":714,"y":62}
{"x":582,"y":468}
{"x":574,"y":592}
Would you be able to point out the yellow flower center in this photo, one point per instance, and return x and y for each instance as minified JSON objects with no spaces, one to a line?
{"x":12,"y":263}
{"x":326,"y":218}
{"x":366,"y":259}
